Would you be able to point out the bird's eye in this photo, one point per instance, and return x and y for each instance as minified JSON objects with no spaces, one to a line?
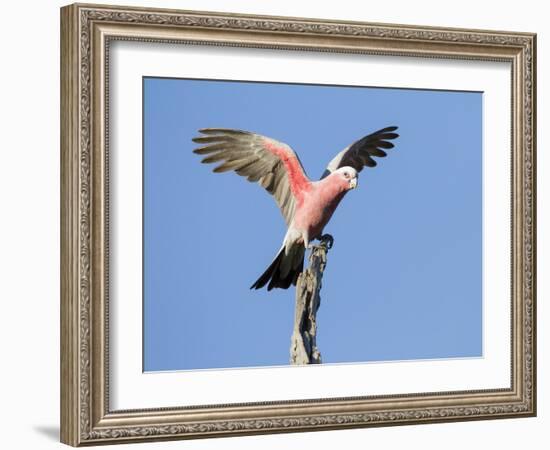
{"x":346,"y":174}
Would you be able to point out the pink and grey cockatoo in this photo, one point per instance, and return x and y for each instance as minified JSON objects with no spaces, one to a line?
{"x":306,"y":205}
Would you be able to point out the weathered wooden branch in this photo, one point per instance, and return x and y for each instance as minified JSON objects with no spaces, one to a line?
{"x":303,"y":346}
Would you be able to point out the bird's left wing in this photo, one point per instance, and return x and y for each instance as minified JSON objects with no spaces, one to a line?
{"x":360,"y":153}
{"x":274,"y":165}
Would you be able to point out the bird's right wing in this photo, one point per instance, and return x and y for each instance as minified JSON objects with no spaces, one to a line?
{"x":274,"y":165}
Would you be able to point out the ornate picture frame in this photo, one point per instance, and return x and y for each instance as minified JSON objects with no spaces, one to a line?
{"x":87,"y":32}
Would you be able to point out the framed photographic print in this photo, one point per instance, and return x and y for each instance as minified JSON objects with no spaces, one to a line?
{"x":362,"y":255}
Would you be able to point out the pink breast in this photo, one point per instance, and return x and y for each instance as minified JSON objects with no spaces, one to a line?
{"x":318,"y":206}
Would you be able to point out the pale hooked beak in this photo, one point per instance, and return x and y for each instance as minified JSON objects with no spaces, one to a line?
{"x":353,"y":183}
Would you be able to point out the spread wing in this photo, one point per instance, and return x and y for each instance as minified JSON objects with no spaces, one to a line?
{"x":274,"y":165}
{"x":360,"y":153}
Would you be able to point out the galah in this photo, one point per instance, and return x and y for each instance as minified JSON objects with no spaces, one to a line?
{"x":306,"y":205}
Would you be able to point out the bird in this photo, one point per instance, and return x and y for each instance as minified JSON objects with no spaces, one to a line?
{"x":306,"y":205}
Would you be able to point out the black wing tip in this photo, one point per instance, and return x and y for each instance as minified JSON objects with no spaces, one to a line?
{"x":390,"y":129}
{"x":387,"y":130}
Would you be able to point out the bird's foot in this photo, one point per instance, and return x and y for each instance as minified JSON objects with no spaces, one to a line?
{"x":328,"y":240}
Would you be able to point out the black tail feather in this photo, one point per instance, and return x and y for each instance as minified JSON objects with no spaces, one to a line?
{"x":273,"y":274}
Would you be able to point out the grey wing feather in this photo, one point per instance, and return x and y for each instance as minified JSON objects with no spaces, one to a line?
{"x":246,"y":153}
{"x":360,"y":153}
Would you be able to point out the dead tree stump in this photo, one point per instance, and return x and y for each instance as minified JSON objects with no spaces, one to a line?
{"x":303,"y":346}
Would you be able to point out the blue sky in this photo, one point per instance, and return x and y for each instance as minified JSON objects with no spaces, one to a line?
{"x":403,"y":279}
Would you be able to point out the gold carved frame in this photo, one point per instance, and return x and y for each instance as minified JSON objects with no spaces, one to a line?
{"x":86,"y":31}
